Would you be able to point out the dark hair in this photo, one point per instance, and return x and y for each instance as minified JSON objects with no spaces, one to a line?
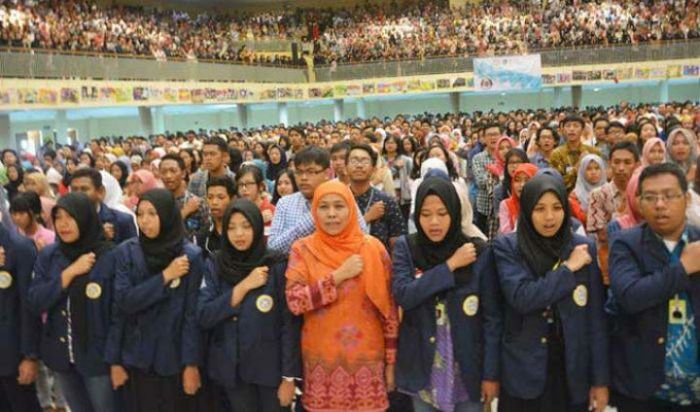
{"x":507,"y":178}
{"x":286,"y":141}
{"x":554,"y":134}
{"x":340,"y":146}
{"x":91,"y":157}
{"x":194,"y":166}
{"x":216,"y":141}
{"x":92,"y":174}
{"x":573,"y":118}
{"x":451,"y":170}
{"x":663,"y":169}
{"x":491,"y":126}
{"x":50,"y":153}
{"x":418,"y":157}
{"x":174,"y":158}
{"x":298,"y":130}
{"x":414,"y":143}
{"x":615,"y":125}
{"x":235,"y":159}
{"x":251,"y":170}
{"x":600,"y":119}
{"x":28,"y":202}
{"x":366,"y":148}
{"x":625,"y":145}
{"x":313,"y":154}
{"x":399,"y":146}
{"x":125,"y":172}
{"x":223,"y":181}
{"x":290,"y":175}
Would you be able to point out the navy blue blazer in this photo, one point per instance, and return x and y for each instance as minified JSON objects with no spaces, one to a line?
{"x":156,"y":325}
{"x":525,"y":329}
{"x":642,"y":281}
{"x":257,"y":341}
{"x":475,"y":331}
{"x":124,"y":225}
{"x":47,"y":297}
{"x":19,"y":325}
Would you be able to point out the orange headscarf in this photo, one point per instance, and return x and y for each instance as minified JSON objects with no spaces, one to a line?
{"x":332,"y":251}
{"x":513,"y":202}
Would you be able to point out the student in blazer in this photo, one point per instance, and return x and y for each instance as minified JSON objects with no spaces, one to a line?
{"x":119,"y":225}
{"x":253,"y":349}
{"x":450,"y":305}
{"x":72,"y":288}
{"x":158,"y":348}
{"x":19,"y":325}
{"x":554,"y":352}
{"x":654,"y":300}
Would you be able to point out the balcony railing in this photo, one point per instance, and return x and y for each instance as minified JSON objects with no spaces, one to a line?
{"x":18,"y":63}
{"x":550,"y":58}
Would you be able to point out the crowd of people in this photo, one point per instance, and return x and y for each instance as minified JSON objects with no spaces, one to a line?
{"x":543,"y":258}
{"x":410,"y":30}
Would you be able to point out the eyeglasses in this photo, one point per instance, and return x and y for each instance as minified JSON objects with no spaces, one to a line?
{"x":354,"y":161}
{"x":653,"y":198}
{"x":309,"y":172}
{"x":247,"y":185}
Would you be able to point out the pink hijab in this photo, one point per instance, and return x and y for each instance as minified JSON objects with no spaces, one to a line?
{"x":633,"y":217}
{"x":498,"y":168}
{"x":148,"y":182}
{"x":647,"y":149}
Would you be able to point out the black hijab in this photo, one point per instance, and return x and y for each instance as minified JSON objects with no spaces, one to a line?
{"x":273,"y":170}
{"x":234,"y":265}
{"x":168,"y":245}
{"x":12,"y":186}
{"x":542,"y":253}
{"x":91,"y":239}
{"x":428,"y":254}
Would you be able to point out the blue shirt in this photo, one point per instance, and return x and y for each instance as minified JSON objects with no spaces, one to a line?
{"x":681,"y":368}
{"x":293,"y":221}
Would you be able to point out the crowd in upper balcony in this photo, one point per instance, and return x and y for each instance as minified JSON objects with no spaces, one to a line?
{"x":392,"y":31}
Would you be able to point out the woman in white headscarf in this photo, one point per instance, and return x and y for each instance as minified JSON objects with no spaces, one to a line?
{"x":114,"y":196}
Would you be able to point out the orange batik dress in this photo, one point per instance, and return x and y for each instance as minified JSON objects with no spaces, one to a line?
{"x":350,"y":331}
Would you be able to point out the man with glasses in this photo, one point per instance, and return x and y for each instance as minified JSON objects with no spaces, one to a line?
{"x":485,"y":180}
{"x":293,"y":219}
{"x":655,"y":295}
{"x":380,"y":211}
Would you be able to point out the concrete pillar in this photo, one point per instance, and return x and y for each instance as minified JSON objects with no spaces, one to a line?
{"x":576,"y":95}
{"x":361,"y":108}
{"x":92,"y":128}
{"x":146,"y":117}
{"x":283,"y":113}
{"x":158,"y":119}
{"x":663,"y":91}
{"x":338,"y":110}
{"x":558,"y":98}
{"x":242,"y":111}
{"x":454,"y":102}
{"x":6,"y":138}
{"x":61,"y":127}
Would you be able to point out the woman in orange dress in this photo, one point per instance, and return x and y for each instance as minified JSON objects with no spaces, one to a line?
{"x":339,"y":280}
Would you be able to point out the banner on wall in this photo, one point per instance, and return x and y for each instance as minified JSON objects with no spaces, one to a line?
{"x":508,"y":73}
{"x":29,"y":94}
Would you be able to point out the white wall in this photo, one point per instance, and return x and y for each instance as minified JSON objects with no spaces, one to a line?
{"x":125,"y":121}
